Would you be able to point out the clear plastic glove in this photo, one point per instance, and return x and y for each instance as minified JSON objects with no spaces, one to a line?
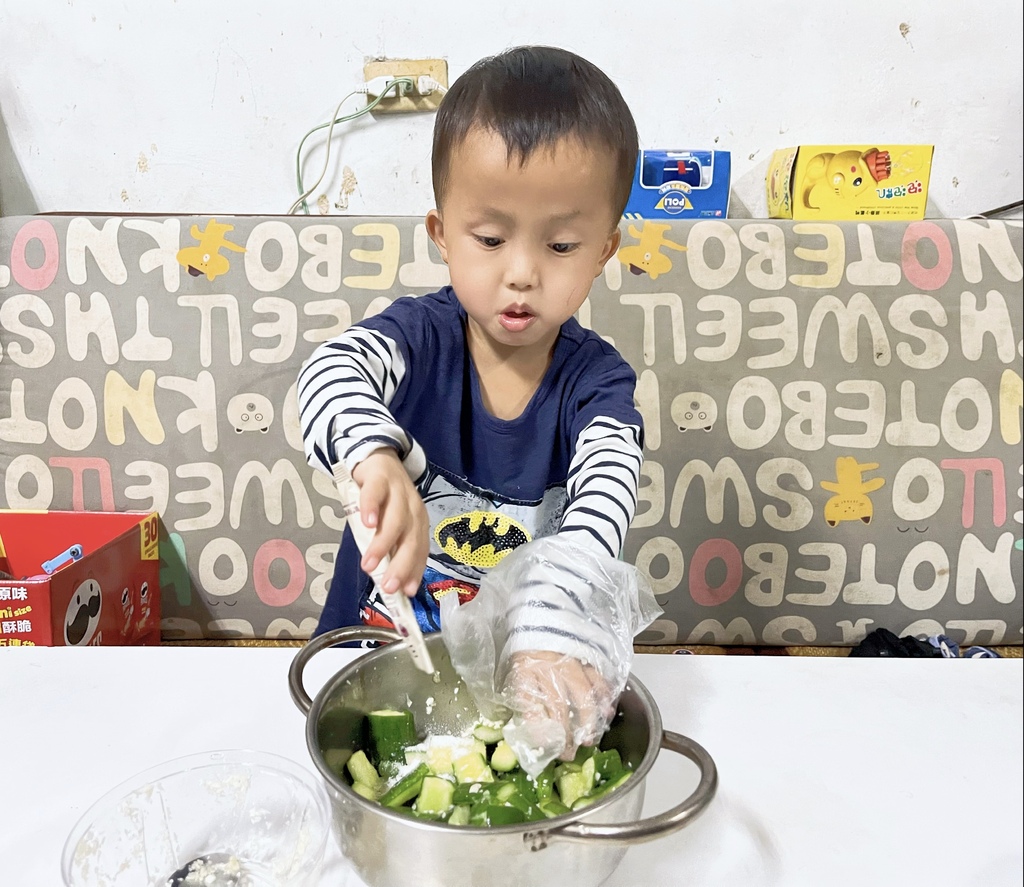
{"x":548,"y":641}
{"x":558,"y":702}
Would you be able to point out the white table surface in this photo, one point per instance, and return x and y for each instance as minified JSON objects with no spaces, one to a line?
{"x":832,"y":771}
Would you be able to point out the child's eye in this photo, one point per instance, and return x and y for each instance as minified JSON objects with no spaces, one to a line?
{"x":490,"y":242}
{"x":564,"y":248}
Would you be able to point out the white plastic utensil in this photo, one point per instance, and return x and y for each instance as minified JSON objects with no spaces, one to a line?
{"x":398,"y":604}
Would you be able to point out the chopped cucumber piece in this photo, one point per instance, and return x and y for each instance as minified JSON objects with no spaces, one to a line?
{"x":583,"y":753}
{"x":473,"y":792}
{"x":503,"y":758}
{"x":336,"y":758}
{"x":552,"y":808}
{"x":504,"y":791}
{"x":524,"y":785}
{"x":546,"y":782}
{"x":609,"y":763}
{"x":439,"y":759}
{"x":416,"y":754}
{"x":487,"y":733}
{"x":407,"y":788}
{"x":459,"y":815}
{"x":495,"y":815}
{"x":566,"y":768}
{"x":601,"y":791}
{"x":361,"y":770}
{"x":435,"y":796}
{"x":573,"y":783}
{"x":392,"y":733}
{"x":472,"y":768}
{"x":366,"y":791}
{"x":530,"y":810}
{"x":415,"y":814}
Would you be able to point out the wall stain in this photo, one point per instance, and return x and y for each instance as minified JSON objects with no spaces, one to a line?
{"x":904,"y":31}
{"x":348,"y":187}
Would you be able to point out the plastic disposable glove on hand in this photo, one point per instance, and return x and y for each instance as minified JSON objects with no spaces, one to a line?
{"x":548,"y":641}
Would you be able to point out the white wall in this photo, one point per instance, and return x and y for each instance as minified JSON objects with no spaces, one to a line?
{"x":198,"y":105}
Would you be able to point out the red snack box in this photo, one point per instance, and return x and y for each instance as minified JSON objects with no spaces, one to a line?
{"x":79,"y":578}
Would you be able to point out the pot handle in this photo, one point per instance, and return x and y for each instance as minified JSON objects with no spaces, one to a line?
{"x":329,"y":639}
{"x":646,"y":829}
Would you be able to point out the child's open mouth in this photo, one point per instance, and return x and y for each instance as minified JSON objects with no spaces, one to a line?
{"x":516,"y":321}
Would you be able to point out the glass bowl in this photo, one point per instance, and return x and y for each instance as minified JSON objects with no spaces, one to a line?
{"x":232,"y":818}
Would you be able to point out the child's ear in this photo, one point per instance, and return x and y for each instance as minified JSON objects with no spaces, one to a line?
{"x":610,"y":248}
{"x":435,"y":228}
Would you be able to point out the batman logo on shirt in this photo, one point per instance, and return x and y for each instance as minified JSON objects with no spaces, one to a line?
{"x":480,"y":538}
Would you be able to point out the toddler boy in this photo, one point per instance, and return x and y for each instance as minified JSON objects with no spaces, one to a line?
{"x":483,"y":416}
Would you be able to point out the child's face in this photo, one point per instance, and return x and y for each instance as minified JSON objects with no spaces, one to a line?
{"x":524,"y":243}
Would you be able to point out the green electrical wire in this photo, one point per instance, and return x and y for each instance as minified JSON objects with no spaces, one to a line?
{"x":303,"y":194}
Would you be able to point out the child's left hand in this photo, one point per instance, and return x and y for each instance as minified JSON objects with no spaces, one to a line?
{"x":569,"y":694}
{"x":549,"y":638}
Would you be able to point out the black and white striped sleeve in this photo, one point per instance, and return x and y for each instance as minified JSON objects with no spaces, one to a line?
{"x":575,"y":597}
{"x":344,"y":390}
{"x":566,"y":599}
{"x":604,"y":476}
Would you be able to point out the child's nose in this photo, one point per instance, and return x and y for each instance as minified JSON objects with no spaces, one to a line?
{"x":521,"y":272}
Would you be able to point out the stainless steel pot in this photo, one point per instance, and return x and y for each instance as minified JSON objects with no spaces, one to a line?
{"x":389,"y":849}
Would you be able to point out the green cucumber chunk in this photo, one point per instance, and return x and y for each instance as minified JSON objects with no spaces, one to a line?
{"x":601,"y":791}
{"x":552,"y":808}
{"x":609,"y":764}
{"x":575,"y":781}
{"x":530,"y":810}
{"x":336,"y":758}
{"x":365,"y":791}
{"x":484,"y":814}
{"x":392,"y":732}
{"x":472,"y":768}
{"x":487,"y":733}
{"x":504,"y":791}
{"x":503,"y":758}
{"x":524,"y":785}
{"x":546,"y":782}
{"x":459,"y":815}
{"x":474,"y":792}
{"x":435,"y":796}
{"x":407,"y":788}
{"x":361,"y":770}
{"x":584,"y":753}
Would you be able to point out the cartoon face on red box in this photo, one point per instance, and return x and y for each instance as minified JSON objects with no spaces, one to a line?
{"x":82,"y":618}
{"x":142,"y":604}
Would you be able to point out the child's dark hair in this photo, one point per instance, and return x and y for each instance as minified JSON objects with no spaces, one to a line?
{"x":533,"y":96}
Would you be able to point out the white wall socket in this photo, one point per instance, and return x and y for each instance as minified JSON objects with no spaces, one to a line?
{"x":412,"y":68}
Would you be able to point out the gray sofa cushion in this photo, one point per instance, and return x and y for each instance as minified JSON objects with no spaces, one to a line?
{"x":833,"y":410}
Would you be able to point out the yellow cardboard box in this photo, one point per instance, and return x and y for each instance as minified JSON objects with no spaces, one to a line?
{"x":843,"y":182}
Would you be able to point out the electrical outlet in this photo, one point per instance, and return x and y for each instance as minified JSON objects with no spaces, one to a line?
{"x":411,"y":68}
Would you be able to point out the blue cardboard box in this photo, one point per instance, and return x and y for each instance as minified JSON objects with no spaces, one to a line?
{"x":680,"y":184}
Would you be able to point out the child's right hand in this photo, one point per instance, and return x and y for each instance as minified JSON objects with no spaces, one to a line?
{"x":391,"y":504}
